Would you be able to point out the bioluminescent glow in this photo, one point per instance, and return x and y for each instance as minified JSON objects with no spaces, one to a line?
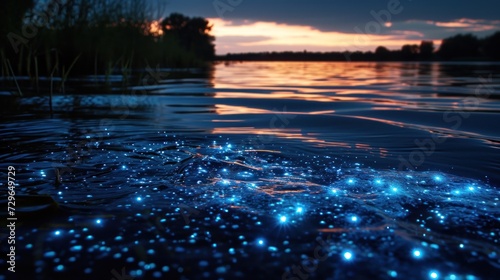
{"x":417,"y":253}
{"x":354,"y":216}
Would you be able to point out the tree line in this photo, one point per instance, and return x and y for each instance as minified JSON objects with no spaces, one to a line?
{"x":458,"y":47}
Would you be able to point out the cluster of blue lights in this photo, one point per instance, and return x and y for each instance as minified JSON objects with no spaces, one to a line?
{"x":358,"y":212}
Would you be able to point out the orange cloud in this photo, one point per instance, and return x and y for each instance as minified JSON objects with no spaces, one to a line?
{"x":274,"y":36}
{"x":469,"y":24}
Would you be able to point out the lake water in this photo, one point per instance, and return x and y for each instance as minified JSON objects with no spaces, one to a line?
{"x":262,"y":170}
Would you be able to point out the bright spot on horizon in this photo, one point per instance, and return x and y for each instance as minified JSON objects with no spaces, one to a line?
{"x":433,"y":274}
{"x":283,"y":219}
{"x":155,"y":28}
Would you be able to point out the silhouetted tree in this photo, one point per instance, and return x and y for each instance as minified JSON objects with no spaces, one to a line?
{"x":459,"y":46}
{"x":491,"y":46}
{"x":382,"y":53}
{"x":175,"y":22}
{"x":193,"y":34}
{"x":426,"y":50}
{"x":409,"y":52}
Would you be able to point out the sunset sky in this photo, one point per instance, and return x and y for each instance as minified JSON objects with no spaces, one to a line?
{"x":330,"y":25}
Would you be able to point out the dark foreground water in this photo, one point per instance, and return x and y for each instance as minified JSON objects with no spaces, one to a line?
{"x":261,"y":171}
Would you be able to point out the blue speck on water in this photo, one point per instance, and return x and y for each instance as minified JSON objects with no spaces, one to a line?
{"x":221,"y":270}
{"x":60,"y":267}
{"x":50,"y":254}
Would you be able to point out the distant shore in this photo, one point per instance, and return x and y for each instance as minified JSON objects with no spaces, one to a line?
{"x":337,"y":57}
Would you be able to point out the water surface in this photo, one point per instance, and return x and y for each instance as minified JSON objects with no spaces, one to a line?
{"x":390,"y":169}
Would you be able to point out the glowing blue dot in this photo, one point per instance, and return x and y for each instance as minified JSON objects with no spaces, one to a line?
{"x":471,"y":188}
{"x":283,"y":219}
{"x":378,"y":181}
{"x":350,"y":181}
{"x":139,"y":198}
{"x":417,"y":253}
{"x":57,"y":232}
{"x":60,"y":267}
{"x":462,"y":246}
{"x":438,"y":178}
{"x":393,"y":273}
{"x":394,"y":189}
{"x":453,"y":277}
{"x":433,"y":274}
{"x":299,"y":209}
{"x":98,"y":221}
{"x":347,"y":255}
{"x":261,"y":242}
{"x":354,"y":218}
{"x":124,"y":167}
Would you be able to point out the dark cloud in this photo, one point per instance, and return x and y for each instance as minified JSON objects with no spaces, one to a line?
{"x":335,"y":15}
